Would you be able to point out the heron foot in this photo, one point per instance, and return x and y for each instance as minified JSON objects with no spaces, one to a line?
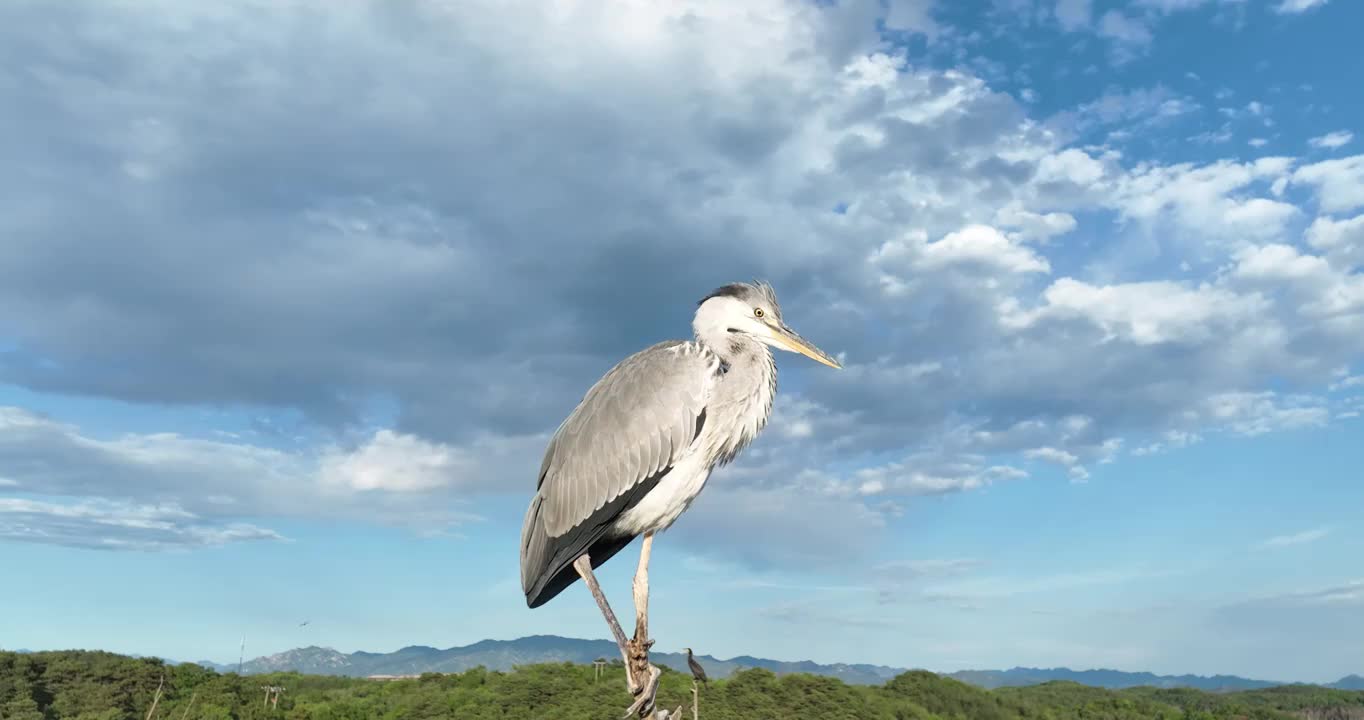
{"x":643,"y":677}
{"x":644,"y":704}
{"x":638,"y":663}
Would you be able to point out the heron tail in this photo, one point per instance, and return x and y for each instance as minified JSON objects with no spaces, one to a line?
{"x":547,"y":562}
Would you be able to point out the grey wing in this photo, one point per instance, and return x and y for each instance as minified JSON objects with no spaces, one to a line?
{"x":627,"y":432}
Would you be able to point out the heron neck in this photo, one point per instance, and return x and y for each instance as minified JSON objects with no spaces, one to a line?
{"x":739,"y":352}
{"x":744,"y":395}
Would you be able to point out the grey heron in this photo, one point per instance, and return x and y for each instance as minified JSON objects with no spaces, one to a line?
{"x":639,"y":447}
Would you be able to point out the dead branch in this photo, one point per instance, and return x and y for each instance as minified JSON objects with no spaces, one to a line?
{"x":156,"y":698}
{"x":185,"y":714}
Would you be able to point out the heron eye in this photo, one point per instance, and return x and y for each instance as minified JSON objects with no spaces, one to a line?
{"x":758,"y":312}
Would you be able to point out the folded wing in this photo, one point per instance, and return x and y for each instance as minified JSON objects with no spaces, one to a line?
{"x":625,"y":435}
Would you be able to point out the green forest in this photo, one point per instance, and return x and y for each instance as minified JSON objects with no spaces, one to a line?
{"x":87,"y":685}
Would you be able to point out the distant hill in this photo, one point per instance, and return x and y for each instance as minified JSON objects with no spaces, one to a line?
{"x":1349,"y":682}
{"x":538,"y":649}
{"x":1111,"y":679}
{"x":1117,"y":679}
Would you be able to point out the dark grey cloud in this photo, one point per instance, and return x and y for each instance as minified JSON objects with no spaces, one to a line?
{"x":468,"y":213}
{"x":364,"y":225}
{"x":393,"y":203}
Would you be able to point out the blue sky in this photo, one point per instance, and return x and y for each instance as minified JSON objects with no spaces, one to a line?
{"x":292,"y":295}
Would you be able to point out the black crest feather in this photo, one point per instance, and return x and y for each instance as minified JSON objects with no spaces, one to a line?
{"x":757,"y":291}
{"x":734,"y":290}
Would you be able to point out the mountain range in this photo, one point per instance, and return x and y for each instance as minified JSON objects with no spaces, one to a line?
{"x":506,"y":654}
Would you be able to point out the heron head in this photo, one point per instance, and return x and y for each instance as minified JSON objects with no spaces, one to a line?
{"x":752,"y":309}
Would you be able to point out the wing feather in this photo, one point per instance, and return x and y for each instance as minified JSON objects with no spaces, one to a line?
{"x":631,"y":427}
{"x":612,"y":441}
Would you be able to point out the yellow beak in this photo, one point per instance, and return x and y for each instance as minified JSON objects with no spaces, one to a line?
{"x":791,"y":340}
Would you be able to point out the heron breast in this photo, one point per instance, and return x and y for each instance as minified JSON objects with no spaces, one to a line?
{"x":669,"y":499}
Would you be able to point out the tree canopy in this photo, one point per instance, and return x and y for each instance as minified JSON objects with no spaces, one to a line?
{"x":86,"y":685}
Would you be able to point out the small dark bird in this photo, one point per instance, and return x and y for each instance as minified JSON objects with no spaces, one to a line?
{"x":305,"y":622}
{"x":698,"y":673}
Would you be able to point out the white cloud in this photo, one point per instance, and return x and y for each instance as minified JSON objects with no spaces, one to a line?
{"x":1339,"y":183}
{"x":1035,"y":226}
{"x":160,"y":489}
{"x":1332,"y":140}
{"x":1070,"y":166}
{"x":1297,"y":6}
{"x":903,"y":478}
{"x":1257,"y":413}
{"x":1350,"y":381}
{"x":1171,"y":6}
{"x":1328,"y":292}
{"x":1073,"y":14}
{"x":980,"y":245}
{"x":1211,"y":200}
{"x":1214,"y":137}
{"x":1349,"y":593}
{"x":1070,"y":461}
{"x":108,"y":525}
{"x":975,"y":250}
{"x":396,"y":462}
{"x":1060,"y":457}
{"x":1340,"y":240}
{"x":1141,"y":107}
{"x":1299,"y":538}
{"x":1142,"y":313}
{"x":1171,"y":440}
{"x":1124,"y":29}
{"x":1281,"y":263}
{"x":912,"y":16}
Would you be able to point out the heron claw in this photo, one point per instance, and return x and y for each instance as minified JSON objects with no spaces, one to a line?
{"x":644,"y":704}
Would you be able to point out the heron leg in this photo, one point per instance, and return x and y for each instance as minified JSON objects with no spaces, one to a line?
{"x":641,"y":587}
{"x":641,"y":676}
{"x":643,"y":673}
{"x":584,"y":567}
